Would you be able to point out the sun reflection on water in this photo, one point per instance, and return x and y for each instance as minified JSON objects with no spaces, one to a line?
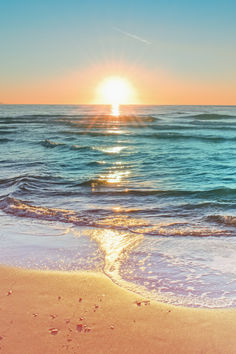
{"x":115,"y":109}
{"x":110,"y":149}
{"x":114,"y":177}
{"x":115,"y":246}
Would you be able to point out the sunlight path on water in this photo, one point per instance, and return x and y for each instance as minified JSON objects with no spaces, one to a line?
{"x":115,"y":109}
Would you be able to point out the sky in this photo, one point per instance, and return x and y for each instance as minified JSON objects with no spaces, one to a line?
{"x":171,"y":52}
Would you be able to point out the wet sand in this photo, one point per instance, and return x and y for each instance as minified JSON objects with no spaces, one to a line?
{"x":55,"y":312}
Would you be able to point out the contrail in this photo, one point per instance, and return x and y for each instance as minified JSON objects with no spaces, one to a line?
{"x":132,"y":36}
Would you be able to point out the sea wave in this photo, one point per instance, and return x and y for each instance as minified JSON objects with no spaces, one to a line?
{"x":68,"y":187}
{"x":99,"y":149}
{"x":51,"y":144}
{"x":114,"y":221}
{"x":213,"y":193}
{"x":34,"y":184}
{"x":211,"y":116}
{"x":223,"y":219}
{"x":102,"y":133}
{"x":7,"y":132}
{"x":22,"y":209}
{"x":4,"y":140}
{"x":162,"y":135}
{"x":75,"y":118}
{"x":79,"y":147}
{"x":180,"y":136}
{"x":29,"y":117}
{"x":93,"y":118}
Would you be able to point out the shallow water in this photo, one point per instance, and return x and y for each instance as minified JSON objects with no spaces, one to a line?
{"x":148,"y":196}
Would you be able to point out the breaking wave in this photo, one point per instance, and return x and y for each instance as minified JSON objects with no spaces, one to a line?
{"x":223,"y":219}
{"x":103,"y":220}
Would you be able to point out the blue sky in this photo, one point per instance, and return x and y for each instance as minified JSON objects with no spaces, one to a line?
{"x":192,"y":40}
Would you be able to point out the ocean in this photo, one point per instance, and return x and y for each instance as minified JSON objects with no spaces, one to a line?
{"x":146,"y":197}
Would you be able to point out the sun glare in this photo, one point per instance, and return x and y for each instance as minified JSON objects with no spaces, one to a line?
{"x":115,"y":90}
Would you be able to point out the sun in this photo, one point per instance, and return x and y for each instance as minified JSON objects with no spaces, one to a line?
{"x":115,"y":90}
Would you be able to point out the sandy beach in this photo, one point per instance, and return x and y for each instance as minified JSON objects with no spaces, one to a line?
{"x":56,"y":312}
{"x":118,"y":177}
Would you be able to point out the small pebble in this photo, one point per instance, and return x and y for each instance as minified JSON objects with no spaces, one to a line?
{"x":53,"y":316}
{"x":96,"y":306}
{"x":81,"y":318}
{"x":79,"y":327}
{"x":112,"y":327}
{"x":53,"y":331}
{"x":35,"y":314}
{"x":80,"y":299}
{"x":9,"y":292}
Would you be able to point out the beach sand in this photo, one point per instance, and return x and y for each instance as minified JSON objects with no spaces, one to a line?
{"x":55,"y":312}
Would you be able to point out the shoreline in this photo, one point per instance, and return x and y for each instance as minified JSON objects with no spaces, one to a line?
{"x":85,"y":312}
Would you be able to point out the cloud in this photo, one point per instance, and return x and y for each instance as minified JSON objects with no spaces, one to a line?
{"x":132,"y":36}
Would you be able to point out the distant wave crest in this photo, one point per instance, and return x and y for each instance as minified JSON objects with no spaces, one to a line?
{"x":211,"y":116}
{"x":51,"y":144}
{"x":4,"y":140}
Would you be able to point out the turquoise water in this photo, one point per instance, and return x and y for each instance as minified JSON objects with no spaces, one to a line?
{"x":148,"y":197}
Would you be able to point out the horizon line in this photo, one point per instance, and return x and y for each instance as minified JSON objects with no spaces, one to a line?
{"x":107,"y":104}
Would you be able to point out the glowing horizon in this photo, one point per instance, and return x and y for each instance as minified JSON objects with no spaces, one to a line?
{"x":148,"y":87}
{"x":163,"y":52}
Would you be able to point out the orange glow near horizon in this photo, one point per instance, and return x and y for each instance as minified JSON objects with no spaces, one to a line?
{"x":138,"y":85}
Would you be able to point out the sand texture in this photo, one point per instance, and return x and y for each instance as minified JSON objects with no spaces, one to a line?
{"x":54,"y":312}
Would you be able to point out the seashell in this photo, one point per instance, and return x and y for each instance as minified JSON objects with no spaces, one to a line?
{"x":53,"y":331}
